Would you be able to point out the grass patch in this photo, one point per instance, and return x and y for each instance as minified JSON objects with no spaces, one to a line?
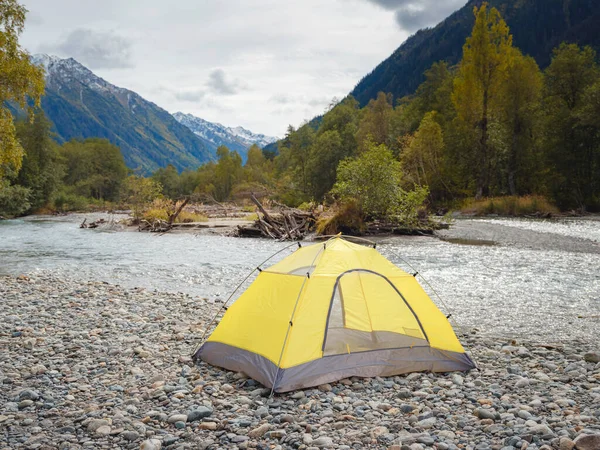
{"x":161,"y":209}
{"x":510,"y":206}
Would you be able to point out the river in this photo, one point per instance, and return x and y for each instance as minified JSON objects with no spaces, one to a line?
{"x":531,"y":279}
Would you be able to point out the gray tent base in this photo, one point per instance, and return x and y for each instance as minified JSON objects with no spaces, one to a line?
{"x":383,"y":363}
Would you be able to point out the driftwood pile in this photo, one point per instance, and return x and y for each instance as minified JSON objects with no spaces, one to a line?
{"x":94,"y":224}
{"x":288,"y":224}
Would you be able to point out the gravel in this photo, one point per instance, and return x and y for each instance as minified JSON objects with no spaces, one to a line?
{"x":95,"y":366}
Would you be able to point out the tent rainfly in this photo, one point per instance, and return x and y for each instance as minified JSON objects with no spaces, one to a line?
{"x":330,"y":311}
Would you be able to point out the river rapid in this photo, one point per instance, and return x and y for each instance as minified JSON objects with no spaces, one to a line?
{"x":524,"y":279}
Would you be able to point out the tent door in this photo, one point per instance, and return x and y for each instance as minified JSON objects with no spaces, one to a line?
{"x":368,"y":313}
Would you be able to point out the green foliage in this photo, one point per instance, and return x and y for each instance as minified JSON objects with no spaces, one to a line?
{"x":477,"y":88}
{"x":67,"y":201}
{"x":572,"y":129}
{"x":373,"y":180}
{"x":94,"y":168}
{"x":14,"y":199}
{"x":42,"y":170}
{"x":19,"y":80}
{"x":138,"y":192}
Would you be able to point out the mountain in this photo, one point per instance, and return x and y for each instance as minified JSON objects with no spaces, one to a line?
{"x":215,"y":134}
{"x":81,"y":105}
{"x":537,"y":26}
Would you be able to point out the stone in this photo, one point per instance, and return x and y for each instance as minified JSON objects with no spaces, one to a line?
{"x":566,"y":444}
{"x":130,"y":435}
{"x":177,"y":418}
{"x":103,"y":430}
{"x":151,"y":444}
{"x":588,"y":442}
{"x":483,"y":413}
{"x":199,"y":413}
{"x":94,"y":424}
{"x":322,"y":442}
{"x":592,"y":357}
{"x":259,"y":431}
{"x":208,"y":426}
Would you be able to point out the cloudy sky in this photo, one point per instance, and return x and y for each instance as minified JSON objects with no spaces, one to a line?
{"x":261,"y":64}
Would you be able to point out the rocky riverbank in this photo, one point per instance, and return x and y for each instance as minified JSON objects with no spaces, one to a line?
{"x":92,"y":365}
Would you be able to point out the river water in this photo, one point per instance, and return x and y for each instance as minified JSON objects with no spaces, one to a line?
{"x":537,"y":280}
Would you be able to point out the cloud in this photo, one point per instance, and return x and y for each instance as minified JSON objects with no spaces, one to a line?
{"x":190,"y":95}
{"x":96,"y":49}
{"x":412,"y":15}
{"x":220,"y":85}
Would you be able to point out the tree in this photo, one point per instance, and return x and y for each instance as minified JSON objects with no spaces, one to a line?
{"x":478,"y":85}
{"x":423,"y":160}
{"x":373,"y":179}
{"x":228,"y":171}
{"x":374,"y":126}
{"x":41,"y":171}
{"x":19,"y":80}
{"x":169,"y":179}
{"x":139,"y":192}
{"x":94,"y":168}
{"x":570,"y":131}
{"x":518,"y":109}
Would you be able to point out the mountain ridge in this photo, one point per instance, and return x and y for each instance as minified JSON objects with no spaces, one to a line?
{"x":81,"y":104}
{"x":537,"y":26}
{"x":214,"y":134}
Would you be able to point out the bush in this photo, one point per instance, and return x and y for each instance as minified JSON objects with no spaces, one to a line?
{"x":66,"y":201}
{"x":510,"y":206}
{"x":14,"y":200}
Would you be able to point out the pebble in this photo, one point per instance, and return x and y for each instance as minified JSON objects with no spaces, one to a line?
{"x":108,"y":367}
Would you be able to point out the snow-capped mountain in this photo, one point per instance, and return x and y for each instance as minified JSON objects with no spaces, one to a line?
{"x":80,"y":104}
{"x":215,"y":134}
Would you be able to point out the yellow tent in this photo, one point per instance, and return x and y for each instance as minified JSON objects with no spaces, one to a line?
{"x":330,"y":311}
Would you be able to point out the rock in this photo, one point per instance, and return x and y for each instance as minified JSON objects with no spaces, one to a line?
{"x":151,"y":444}
{"x":566,"y":444}
{"x":199,"y":414}
{"x":322,"y":442}
{"x":28,"y":394}
{"x":426,"y":423}
{"x":259,"y":431}
{"x":94,"y":424}
{"x":592,"y":357}
{"x":483,"y":413}
{"x":177,"y":418}
{"x":103,"y":430}
{"x":208,"y":426}
{"x":588,"y":442}
{"x":130,"y":435}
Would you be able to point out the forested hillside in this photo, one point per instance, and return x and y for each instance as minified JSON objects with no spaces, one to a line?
{"x":537,"y":26}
